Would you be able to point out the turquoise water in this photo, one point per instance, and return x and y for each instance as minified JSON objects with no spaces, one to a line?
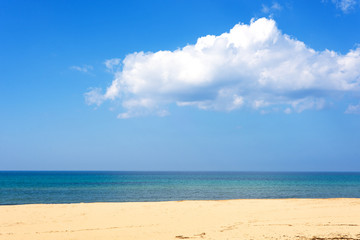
{"x":73,"y":187}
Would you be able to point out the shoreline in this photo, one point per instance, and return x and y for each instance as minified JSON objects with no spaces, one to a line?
{"x":186,"y":200}
{"x":300,"y":218}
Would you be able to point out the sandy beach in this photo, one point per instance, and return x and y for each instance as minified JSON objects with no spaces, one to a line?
{"x":227,"y":219}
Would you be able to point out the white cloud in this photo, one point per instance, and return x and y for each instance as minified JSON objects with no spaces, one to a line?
{"x":113,"y":64}
{"x":270,"y":9}
{"x":94,"y":97}
{"x":345,"y":5}
{"x":254,"y":66}
{"x":84,"y":68}
{"x":353,"y":109}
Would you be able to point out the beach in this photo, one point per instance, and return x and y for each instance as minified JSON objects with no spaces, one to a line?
{"x":222,"y":219}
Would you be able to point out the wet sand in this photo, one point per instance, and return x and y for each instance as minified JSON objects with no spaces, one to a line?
{"x":218,"y":220}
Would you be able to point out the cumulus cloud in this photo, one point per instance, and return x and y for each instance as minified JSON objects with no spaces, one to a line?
{"x":345,"y":5}
{"x":251,"y":66}
{"x":84,"y":68}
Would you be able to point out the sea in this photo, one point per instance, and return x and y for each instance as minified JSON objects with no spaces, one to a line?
{"x":33,"y":187}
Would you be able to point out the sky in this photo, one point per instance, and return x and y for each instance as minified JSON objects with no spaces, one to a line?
{"x":227,"y":85}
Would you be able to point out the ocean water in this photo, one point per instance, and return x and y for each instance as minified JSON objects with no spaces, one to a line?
{"x":75,"y":187}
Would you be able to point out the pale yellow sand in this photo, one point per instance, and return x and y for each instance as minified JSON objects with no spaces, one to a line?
{"x":230,"y":219}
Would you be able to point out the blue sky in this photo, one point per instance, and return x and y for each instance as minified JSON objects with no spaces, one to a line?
{"x":284,"y":96}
